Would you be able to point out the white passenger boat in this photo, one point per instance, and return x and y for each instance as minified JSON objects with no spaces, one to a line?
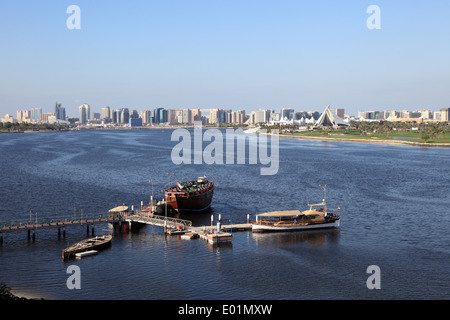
{"x":317,"y":217}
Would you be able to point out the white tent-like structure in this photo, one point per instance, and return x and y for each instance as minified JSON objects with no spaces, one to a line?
{"x":329,"y":118}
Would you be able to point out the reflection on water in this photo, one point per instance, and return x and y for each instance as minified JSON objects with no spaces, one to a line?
{"x":315,"y":238}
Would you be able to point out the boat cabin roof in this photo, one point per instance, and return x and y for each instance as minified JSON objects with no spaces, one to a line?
{"x":280,"y":213}
{"x":316,"y":204}
{"x":119,"y":209}
{"x":289,"y":213}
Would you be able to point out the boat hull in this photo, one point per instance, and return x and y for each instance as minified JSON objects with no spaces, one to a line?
{"x":192,"y":203}
{"x":83,"y":246}
{"x":188,"y":199}
{"x":271,"y":228}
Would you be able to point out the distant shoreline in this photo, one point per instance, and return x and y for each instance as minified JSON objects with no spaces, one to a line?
{"x":376,"y":141}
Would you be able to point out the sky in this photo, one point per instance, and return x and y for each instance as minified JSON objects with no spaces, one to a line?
{"x":234,"y":54}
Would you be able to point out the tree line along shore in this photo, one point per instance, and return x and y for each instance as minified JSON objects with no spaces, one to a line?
{"x":384,"y":131}
{"x":426,"y":133}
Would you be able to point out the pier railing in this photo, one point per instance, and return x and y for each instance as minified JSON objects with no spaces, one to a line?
{"x":59,"y":221}
{"x":158,"y":220}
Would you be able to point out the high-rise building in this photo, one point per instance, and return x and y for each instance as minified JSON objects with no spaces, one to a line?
{"x":261,"y":115}
{"x":95,"y":116}
{"x":214,"y":116}
{"x":145,"y":115}
{"x":8,"y":118}
{"x":186,"y":116}
{"x":157,"y":114}
{"x":116,"y":115}
{"x":239,"y":116}
{"x":196,"y":115}
{"x":125,"y":116}
{"x":226,"y":115}
{"x":172,"y":116}
{"x":60,"y":112}
{"x":445,"y":113}
{"x":36,"y":114}
{"x":23,"y":115}
{"x":134,"y":114}
{"x":45,"y":116}
{"x":163,"y":115}
{"x":85,"y":113}
{"x":287,"y":113}
{"x":106,"y":113}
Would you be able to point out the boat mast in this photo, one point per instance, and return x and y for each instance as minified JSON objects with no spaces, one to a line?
{"x":324,"y":201}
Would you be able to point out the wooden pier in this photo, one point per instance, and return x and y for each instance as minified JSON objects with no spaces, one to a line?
{"x":124,"y":220}
{"x":58,"y":222}
{"x":156,"y":220}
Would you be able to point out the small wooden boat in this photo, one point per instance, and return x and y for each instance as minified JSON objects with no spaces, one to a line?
{"x":96,"y":243}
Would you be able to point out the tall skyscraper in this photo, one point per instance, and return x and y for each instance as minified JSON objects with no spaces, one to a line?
{"x":125,"y":116}
{"x":60,"y":112}
{"x":163,"y":115}
{"x":186,"y":115}
{"x":36,"y":114}
{"x":214,"y":116}
{"x":172,"y":116}
{"x":105,"y":113}
{"x":117,"y":114}
{"x":85,"y":113}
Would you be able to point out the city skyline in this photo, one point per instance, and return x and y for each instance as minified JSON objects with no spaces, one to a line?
{"x":108,"y":115}
{"x":237,"y":55}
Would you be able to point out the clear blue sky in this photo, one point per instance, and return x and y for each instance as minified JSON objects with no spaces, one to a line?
{"x":239,"y":54}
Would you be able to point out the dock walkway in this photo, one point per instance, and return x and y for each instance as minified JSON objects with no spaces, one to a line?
{"x":172,"y":225}
{"x":161,"y":221}
{"x":58,"y":222}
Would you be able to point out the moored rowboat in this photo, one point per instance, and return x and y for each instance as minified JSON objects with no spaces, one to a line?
{"x":96,"y":243}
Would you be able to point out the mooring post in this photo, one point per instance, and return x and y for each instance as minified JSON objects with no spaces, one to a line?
{"x":212,"y":220}
{"x":92,"y":227}
{"x":1,"y":238}
{"x":29,"y":234}
{"x":59,"y":232}
{"x":248,"y":218}
{"x":34,"y":237}
{"x":64,"y":232}
{"x":87,"y":228}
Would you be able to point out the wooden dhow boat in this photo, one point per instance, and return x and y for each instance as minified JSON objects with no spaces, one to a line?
{"x":191,"y":196}
{"x":96,"y":243}
{"x":317,"y":217}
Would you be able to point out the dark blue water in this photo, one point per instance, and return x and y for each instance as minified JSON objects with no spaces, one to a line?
{"x":394,"y":205}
